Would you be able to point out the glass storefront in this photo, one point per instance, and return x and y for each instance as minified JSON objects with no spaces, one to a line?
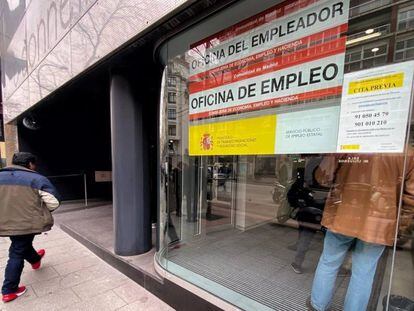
{"x":286,"y":168}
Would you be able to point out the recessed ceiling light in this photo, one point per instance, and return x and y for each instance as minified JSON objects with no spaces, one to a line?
{"x":369,"y":31}
{"x":363,"y":38}
{"x":375,"y":50}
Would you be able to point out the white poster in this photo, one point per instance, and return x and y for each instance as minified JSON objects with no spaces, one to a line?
{"x":287,"y":54}
{"x":281,"y":24}
{"x":290,"y":54}
{"x":295,"y":83}
{"x":310,"y":131}
{"x":374,"y":109}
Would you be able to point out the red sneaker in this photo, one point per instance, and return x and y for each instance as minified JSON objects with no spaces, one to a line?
{"x":9,"y":297}
{"x":36,"y":265}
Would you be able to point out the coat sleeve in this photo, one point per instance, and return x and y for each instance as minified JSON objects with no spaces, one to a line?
{"x":49,"y":194}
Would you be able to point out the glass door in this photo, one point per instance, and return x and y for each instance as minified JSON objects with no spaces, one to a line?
{"x":221,"y":188}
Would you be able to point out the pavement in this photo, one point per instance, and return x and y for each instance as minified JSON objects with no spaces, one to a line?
{"x":73,"y":278}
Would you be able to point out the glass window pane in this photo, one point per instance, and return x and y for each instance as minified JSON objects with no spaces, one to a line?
{"x":171,"y":114}
{"x":410,"y":43}
{"x":172,"y":130}
{"x":355,"y":66}
{"x":368,"y":53}
{"x":172,"y":81}
{"x":402,"y":292}
{"x":382,"y":49}
{"x":402,"y":15}
{"x":380,"y":60}
{"x":355,"y":56}
{"x":368,"y":63}
{"x":400,"y":45}
{"x":399,"y":56}
{"x":409,"y":54}
{"x":402,"y":25}
{"x":171,"y":97}
{"x":252,"y":226}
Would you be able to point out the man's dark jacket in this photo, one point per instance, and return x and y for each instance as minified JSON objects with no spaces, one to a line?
{"x":26,"y":201}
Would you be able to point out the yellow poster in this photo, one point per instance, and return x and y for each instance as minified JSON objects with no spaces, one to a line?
{"x":242,"y":137}
{"x":387,"y":82}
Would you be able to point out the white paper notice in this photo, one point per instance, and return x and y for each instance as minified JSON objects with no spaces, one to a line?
{"x":374,"y":109}
{"x":309,"y":131}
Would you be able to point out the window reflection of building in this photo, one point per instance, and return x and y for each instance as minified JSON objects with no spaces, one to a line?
{"x":379,"y":33}
{"x":177,"y":100}
{"x":172,"y":97}
{"x":172,"y":114}
{"x":404,"y":49}
{"x":265,"y":166}
{"x":172,"y":130}
{"x":366,"y":56}
{"x":360,"y":7}
{"x":172,"y":81}
{"x":406,"y":18}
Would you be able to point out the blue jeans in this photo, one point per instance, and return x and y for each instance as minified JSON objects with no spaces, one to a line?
{"x":364,"y":264}
{"x":21,"y":249}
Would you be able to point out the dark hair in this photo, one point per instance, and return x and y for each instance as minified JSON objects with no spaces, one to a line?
{"x":23,"y":159}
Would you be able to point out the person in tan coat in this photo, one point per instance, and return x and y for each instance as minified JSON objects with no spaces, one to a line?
{"x":361,"y":210}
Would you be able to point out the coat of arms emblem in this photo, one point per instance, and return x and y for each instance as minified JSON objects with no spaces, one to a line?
{"x":206,"y":142}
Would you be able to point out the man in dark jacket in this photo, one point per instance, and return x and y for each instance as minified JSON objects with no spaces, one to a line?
{"x":308,"y":213}
{"x":26,"y":201}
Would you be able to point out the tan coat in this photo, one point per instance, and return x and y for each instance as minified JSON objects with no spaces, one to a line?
{"x":365,"y":195}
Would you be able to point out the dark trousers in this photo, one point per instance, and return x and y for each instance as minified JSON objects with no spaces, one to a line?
{"x":172,"y":233}
{"x":21,"y":249}
{"x":305,"y":238}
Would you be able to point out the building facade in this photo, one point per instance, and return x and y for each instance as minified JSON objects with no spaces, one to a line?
{"x":255,"y":134}
{"x":2,"y":143}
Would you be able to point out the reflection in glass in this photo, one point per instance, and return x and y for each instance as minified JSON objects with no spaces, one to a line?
{"x":361,"y":215}
{"x":253,"y":226}
{"x":286,"y":231}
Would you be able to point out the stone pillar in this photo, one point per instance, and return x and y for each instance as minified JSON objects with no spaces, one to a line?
{"x":132,"y":217}
{"x":12,"y":141}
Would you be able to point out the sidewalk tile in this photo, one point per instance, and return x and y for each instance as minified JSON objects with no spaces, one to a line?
{"x":62,"y":282}
{"x":47,"y":287}
{"x":51,"y":302}
{"x":69,"y":248}
{"x":76,"y":265}
{"x":98,"y":286}
{"x":43,"y":274}
{"x":61,"y":258}
{"x":26,"y":298}
{"x":131,"y":292}
{"x":147,"y":305}
{"x":49,"y":243}
{"x":105,"y":302}
{"x":73,"y":278}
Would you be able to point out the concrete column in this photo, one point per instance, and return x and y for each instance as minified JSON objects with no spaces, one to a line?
{"x":132,"y":217}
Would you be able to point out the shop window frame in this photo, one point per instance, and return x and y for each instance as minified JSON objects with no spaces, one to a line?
{"x":409,"y":18}
{"x":361,"y":49}
{"x":403,"y":50}
{"x":172,"y":114}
